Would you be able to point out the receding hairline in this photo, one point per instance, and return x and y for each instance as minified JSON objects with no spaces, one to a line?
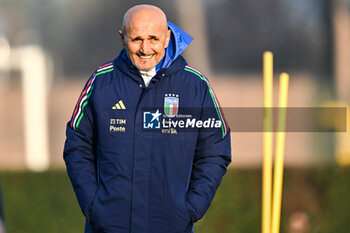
{"x":141,"y":8}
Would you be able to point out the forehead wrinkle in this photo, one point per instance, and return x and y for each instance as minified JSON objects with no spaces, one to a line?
{"x":144,"y":29}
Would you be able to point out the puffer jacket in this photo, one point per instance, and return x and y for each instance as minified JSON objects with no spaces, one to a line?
{"x":129,"y":175}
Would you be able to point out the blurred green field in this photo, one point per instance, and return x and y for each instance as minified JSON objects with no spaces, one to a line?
{"x":45,"y":202}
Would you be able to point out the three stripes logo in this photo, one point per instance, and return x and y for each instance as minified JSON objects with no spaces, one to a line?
{"x":119,"y":105}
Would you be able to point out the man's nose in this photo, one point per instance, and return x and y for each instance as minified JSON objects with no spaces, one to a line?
{"x":145,"y":47}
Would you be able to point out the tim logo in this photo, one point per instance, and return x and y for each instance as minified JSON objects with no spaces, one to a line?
{"x":151,"y":120}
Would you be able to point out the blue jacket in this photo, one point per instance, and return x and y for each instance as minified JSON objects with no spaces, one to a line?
{"x":131,"y":180}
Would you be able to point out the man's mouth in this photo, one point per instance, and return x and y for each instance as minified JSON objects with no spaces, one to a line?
{"x":146,"y":56}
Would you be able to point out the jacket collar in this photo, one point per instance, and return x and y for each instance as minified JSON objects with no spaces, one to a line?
{"x":123,"y":63}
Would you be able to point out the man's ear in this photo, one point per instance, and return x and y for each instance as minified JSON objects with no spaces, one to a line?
{"x":122,"y":37}
{"x":167,"y":38}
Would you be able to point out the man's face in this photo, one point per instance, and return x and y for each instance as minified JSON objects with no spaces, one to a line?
{"x":145,"y":41}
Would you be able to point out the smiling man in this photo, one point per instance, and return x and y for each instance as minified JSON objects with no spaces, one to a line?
{"x":129,"y":174}
{"x":145,"y":42}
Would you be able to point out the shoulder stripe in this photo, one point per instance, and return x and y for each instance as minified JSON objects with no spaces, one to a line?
{"x":105,"y":68}
{"x":198,"y":73}
{"x":224,"y":125}
{"x":107,"y":64}
{"x":85,"y":95}
{"x":80,"y":99}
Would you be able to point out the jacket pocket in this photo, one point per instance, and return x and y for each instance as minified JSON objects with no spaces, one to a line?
{"x":192,"y":212}
{"x":180,"y":216}
{"x":93,"y":206}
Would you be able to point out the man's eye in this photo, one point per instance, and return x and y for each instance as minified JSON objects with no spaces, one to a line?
{"x":136,"y":39}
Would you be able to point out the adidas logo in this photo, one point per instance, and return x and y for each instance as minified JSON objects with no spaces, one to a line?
{"x":119,"y":105}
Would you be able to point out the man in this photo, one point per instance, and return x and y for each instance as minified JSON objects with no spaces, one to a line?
{"x":126,"y":177}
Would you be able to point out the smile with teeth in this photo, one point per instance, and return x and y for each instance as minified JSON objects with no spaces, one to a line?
{"x":146,"y":56}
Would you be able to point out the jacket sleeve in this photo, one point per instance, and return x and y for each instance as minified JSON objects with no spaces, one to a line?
{"x":212,"y":156}
{"x":79,"y":150}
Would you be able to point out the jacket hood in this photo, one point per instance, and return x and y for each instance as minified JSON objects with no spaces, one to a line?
{"x":179,"y":41}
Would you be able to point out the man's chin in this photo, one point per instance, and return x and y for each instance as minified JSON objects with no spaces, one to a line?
{"x":145,"y":68}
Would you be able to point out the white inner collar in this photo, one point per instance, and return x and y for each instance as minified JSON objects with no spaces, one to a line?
{"x":147,"y":75}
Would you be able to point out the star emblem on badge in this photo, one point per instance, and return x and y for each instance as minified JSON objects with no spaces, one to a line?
{"x":156,"y":115}
{"x":172,"y":95}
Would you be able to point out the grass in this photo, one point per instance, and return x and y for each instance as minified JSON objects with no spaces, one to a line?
{"x":45,"y":202}
{"x":40,"y":203}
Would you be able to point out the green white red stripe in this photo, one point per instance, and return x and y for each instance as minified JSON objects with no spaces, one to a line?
{"x":224,"y":125}
{"x":85,"y":95}
{"x":105,"y":67}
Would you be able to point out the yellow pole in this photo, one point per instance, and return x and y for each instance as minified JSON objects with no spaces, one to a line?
{"x":279,"y":156}
{"x":267,"y":142}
